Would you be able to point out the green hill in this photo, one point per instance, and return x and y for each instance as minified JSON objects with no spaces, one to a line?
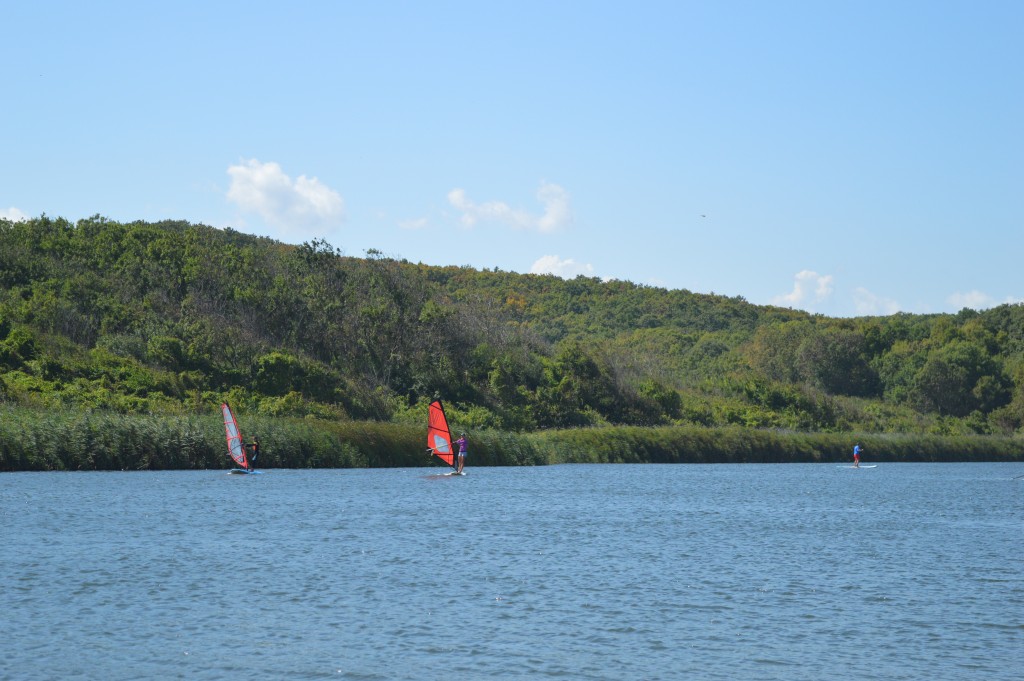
{"x":172,"y":318}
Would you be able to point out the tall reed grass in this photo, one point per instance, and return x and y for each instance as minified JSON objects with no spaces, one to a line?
{"x":696,"y":444}
{"x":32,"y":440}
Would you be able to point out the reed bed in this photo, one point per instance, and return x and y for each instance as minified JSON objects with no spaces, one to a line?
{"x":685,"y":444}
{"x":32,"y":440}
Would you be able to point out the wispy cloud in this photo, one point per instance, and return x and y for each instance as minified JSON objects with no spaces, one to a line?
{"x":13,"y":214}
{"x":416,"y":223}
{"x":867,"y":303}
{"x":976,"y":300}
{"x":567,"y":269}
{"x":809,"y":288}
{"x":296,"y":206}
{"x":553,"y":198}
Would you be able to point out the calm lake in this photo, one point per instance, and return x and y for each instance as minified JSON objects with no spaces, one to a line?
{"x":743,"y":571}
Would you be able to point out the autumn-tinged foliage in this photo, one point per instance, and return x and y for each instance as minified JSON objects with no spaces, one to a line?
{"x":168,"y":319}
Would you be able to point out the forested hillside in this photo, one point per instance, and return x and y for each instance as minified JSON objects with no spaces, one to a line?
{"x":172,"y":317}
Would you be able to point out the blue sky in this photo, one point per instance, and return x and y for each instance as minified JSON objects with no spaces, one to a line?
{"x":841,"y":157}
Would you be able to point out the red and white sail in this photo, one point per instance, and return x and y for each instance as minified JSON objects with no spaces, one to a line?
{"x":235,"y":448}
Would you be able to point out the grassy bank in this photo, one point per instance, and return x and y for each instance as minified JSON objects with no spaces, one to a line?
{"x":745,"y":445}
{"x":33,"y":440}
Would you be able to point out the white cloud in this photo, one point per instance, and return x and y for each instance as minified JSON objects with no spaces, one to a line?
{"x":976,"y":300}
{"x":556,"y":207}
{"x":13,"y":214}
{"x":808,"y":288}
{"x":868,"y":304}
{"x":566,"y":269}
{"x":554,"y":198}
{"x":298,"y":205}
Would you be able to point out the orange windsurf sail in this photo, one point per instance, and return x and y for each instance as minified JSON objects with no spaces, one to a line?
{"x":439,"y":438}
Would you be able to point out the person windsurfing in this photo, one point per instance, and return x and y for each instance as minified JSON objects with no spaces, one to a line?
{"x":463,"y":446}
{"x":253,"y":447}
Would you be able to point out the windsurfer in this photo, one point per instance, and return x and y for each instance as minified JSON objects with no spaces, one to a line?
{"x":253,"y":447}
{"x":857,"y":449}
{"x":463,"y":446}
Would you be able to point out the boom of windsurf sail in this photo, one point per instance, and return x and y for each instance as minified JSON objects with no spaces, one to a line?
{"x":235,"y":448}
{"x":439,"y":438}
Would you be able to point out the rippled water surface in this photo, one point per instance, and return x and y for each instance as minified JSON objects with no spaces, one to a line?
{"x":905,"y":571}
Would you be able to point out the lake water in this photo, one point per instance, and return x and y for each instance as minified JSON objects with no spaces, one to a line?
{"x":786,"y":571}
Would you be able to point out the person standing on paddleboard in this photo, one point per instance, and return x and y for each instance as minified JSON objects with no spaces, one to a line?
{"x":857,"y":449}
{"x":463,"y":446}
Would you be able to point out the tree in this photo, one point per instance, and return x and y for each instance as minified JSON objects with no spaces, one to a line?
{"x":834,"y":360}
{"x":958,"y":378}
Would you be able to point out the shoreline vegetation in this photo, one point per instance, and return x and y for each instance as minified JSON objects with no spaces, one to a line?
{"x":119,"y":340}
{"x":152,"y":318}
{"x":33,"y":440}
